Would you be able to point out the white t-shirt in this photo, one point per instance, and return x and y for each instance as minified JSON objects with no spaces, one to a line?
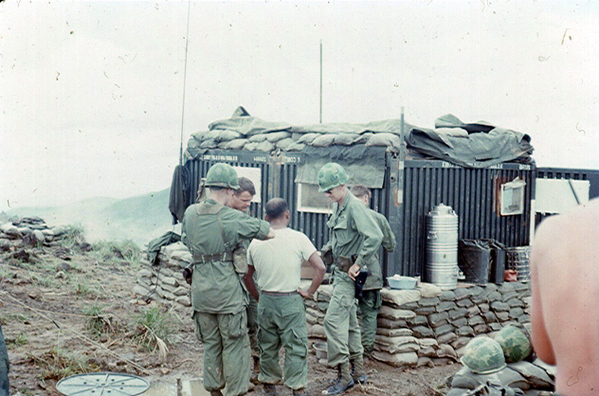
{"x":278,"y":261}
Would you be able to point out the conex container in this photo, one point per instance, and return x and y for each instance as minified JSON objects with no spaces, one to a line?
{"x":442,"y":247}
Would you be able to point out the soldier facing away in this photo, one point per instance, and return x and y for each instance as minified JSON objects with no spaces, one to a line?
{"x":370,"y":302}
{"x":353,"y":232}
{"x":211,"y":230}
{"x":282,"y":314}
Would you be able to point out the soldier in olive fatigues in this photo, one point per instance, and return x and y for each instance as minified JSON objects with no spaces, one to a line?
{"x":211,"y":231}
{"x":353,"y":233}
{"x":370,"y":302}
{"x":4,"y":366}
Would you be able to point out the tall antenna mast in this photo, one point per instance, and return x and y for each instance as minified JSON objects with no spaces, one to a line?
{"x":321,"y":81}
{"x":184,"y":84}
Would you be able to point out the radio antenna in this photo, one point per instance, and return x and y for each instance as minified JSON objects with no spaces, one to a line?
{"x":184,"y":84}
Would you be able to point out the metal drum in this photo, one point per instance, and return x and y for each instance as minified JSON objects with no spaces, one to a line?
{"x":518,"y":258}
{"x":442,"y":247}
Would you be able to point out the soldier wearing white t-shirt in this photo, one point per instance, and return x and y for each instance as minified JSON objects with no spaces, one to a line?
{"x":281,"y":309}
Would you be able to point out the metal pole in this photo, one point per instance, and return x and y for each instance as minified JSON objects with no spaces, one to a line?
{"x":321,"y":81}
{"x":184,"y":83}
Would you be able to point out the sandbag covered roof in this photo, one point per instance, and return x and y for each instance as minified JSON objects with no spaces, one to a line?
{"x":476,"y":145}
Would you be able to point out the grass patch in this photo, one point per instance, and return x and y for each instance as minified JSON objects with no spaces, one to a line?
{"x":117,"y":252}
{"x":153,"y":330}
{"x":98,"y":323}
{"x":57,"y":363}
{"x":21,"y":339}
{"x":73,"y":237}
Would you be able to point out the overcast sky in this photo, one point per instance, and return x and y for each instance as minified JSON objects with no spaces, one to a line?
{"x":91,"y":92}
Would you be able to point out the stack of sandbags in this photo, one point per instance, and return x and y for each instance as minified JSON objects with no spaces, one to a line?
{"x":31,"y":229}
{"x":164,"y":282}
{"x":429,"y":326}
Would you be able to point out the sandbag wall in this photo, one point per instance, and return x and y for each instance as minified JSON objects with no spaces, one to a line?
{"x":428,"y":326}
{"x":164,"y":282}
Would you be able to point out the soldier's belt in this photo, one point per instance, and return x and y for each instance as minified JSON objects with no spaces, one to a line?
{"x":208,"y":258}
{"x":343,"y":263}
{"x":273,"y":293}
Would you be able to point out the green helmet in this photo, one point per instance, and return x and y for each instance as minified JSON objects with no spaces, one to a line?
{"x":330,"y":176}
{"x":515,"y":343}
{"x":222,"y":175}
{"x":483,"y":355}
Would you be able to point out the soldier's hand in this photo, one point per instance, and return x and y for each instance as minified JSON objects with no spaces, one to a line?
{"x":354,"y":270}
{"x":304,"y":293}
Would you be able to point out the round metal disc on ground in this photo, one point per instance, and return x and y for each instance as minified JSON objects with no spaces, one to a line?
{"x":102,"y":384}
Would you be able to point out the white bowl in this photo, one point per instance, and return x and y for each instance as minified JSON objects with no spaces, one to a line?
{"x":401,"y":282}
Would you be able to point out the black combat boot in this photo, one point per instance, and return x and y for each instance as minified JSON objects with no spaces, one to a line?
{"x":270,"y":390}
{"x":357,"y":371}
{"x":343,"y":383}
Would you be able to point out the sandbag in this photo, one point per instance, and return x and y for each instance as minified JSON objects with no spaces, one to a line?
{"x":323,"y":140}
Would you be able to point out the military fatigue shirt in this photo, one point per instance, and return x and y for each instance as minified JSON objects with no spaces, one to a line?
{"x":375,"y":280}
{"x":354,"y":231}
{"x":216,"y":287}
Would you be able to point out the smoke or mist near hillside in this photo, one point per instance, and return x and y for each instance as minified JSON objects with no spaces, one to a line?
{"x":139,"y":218}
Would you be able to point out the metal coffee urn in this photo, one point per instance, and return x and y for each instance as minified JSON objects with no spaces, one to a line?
{"x":442,"y":247}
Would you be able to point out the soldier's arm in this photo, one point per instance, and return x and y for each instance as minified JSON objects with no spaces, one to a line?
{"x":369,"y":229}
{"x":388,"y":235}
{"x":248,"y":279}
{"x":247,"y":227}
{"x":316,"y":263}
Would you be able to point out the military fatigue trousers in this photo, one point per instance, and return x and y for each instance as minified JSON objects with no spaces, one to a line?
{"x":226,"y":351}
{"x":282,"y":321}
{"x":369,"y":306}
{"x":252,"y":312}
{"x":341,"y":323}
{"x":4,"y":366}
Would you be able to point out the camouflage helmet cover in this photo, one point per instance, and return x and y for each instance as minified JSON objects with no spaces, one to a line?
{"x":483,"y":355}
{"x":330,"y":176}
{"x":222,"y":175}
{"x":515,"y":343}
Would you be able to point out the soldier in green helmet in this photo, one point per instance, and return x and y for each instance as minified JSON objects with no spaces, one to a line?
{"x":211,"y":230}
{"x":353,"y":233}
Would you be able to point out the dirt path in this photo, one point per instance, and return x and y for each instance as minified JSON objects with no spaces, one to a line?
{"x":65,"y":311}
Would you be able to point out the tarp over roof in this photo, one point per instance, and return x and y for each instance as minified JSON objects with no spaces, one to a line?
{"x":476,"y":145}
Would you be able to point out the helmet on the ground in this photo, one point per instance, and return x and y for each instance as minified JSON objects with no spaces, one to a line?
{"x":483,"y":355}
{"x":330,"y":176}
{"x":515,"y":343}
{"x":222,"y":175}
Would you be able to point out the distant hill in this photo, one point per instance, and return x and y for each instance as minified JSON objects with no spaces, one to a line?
{"x":139,"y":218}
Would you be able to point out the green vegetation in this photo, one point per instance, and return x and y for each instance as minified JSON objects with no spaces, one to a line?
{"x":153,"y":330}
{"x":56,"y":364}
{"x":73,"y":237}
{"x":115,"y":252}
{"x":21,"y":339}
{"x":98,"y":323}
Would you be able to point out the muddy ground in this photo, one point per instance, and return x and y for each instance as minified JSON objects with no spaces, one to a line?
{"x":69,"y":308}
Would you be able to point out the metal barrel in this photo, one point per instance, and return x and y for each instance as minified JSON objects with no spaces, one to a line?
{"x":442,"y":247}
{"x":518,"y":258}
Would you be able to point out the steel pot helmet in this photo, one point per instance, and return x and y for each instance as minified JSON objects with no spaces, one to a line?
{"x":330,"y":176}
{"x":222,"y":175}
{"x":483,"y":355}
{"x":515,"y":343}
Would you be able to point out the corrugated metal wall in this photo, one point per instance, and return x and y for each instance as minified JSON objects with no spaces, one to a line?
{"x":472,"y":193}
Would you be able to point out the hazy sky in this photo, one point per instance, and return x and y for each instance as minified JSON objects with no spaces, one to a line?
{"x":91,"y":91}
